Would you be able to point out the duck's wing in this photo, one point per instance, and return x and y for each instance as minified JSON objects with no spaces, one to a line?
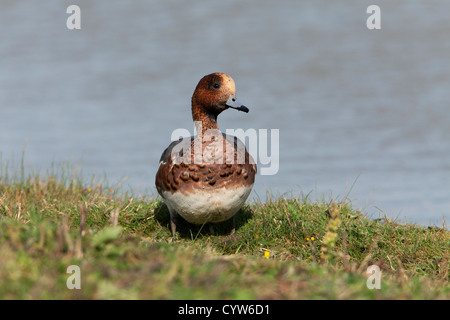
{"x":174,"y":154}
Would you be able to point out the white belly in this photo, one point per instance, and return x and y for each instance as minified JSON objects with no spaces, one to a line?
{"x":207,"y":206}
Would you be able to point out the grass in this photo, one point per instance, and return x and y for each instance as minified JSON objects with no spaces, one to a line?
{"x":285,"y":248}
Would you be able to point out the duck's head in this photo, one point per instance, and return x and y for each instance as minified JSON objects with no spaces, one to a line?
{"x":214,"y":93}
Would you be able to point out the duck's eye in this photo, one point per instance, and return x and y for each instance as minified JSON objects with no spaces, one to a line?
{"x":216,"y":85}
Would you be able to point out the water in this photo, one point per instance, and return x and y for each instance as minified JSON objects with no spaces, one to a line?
{"x":353,"y":106}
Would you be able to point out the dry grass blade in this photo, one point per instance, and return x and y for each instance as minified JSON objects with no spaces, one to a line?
{"x":83,"y":219}
{"x":344,"y":250}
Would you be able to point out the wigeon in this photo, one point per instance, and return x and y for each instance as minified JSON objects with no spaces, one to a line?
{"x":208,"y":177}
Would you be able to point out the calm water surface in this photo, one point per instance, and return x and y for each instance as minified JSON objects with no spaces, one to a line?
{"x":354,"y":106}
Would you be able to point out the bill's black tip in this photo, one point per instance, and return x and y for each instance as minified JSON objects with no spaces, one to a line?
{"x":243,"y":109}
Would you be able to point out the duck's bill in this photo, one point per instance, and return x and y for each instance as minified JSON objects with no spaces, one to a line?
{"x":234,"y":103}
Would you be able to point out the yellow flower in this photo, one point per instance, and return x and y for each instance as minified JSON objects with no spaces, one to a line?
{"x":266,"y":254}
{"x":312,"y":238}
{"x":89,"y":190}
{"x":307,"y":239}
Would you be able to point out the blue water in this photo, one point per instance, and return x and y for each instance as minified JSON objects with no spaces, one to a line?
{"x":362,"y":114}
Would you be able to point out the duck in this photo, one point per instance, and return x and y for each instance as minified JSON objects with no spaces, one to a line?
{"x":207,"y":177}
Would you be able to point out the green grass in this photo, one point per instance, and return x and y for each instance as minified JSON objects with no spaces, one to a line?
{"x":285,"y":248}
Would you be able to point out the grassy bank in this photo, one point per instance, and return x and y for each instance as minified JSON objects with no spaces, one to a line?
{"x":285,"y":249}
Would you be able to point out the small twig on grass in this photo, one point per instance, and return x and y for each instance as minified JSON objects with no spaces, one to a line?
{"x":114,"y":217}
{"x":19,"y":211}
{"x":313,"y":251}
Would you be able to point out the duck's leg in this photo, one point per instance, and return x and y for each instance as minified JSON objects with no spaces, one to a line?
{"x":173,"y":224}
{"x":232,"y":237}
{"x":233,"y":226}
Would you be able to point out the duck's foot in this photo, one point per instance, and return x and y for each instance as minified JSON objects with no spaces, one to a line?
{"x":232,"y":237}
